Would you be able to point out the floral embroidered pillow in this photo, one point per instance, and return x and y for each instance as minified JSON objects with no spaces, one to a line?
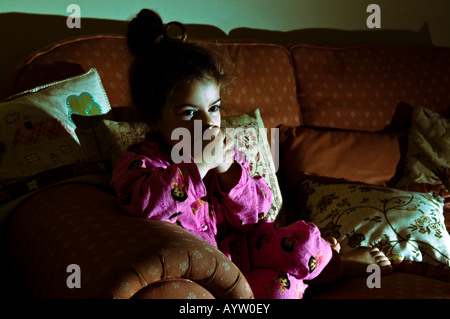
{"x":250,"y":137}
{"x":404,"y":225}
{"x":428,"y":156}
{"x":49,"y":134}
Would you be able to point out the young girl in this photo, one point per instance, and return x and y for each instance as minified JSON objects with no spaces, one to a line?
{"x":175,"y":84}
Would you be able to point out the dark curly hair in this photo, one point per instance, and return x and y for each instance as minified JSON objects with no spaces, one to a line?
{"x":161,"y":62}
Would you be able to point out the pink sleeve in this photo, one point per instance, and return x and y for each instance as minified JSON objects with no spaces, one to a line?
{"x":249,"y":200}
{"x":151,"y":189}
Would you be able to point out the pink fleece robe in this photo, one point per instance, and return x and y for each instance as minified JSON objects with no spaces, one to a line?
{"x":150,"y":185}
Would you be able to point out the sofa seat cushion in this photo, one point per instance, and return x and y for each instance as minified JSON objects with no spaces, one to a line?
{"x":398,"y":285}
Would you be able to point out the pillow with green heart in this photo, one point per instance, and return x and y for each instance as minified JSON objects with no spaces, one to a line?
{"x":404,"y":225}
{"x":50,"y":134}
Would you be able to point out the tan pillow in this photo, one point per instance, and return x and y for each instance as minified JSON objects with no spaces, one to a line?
{"x":250,"y":137}
{"x":359,"y":156}
{"x":121,"y":135}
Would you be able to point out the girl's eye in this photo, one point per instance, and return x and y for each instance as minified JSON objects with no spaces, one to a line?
{"x":187,"y":113}
{"x":214,"y":108}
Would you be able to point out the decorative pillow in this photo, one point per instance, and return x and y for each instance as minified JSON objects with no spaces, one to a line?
{"x":428,"y":155}
{"x":359,"y":156}
{"x":124,"y":134}
{"x":48,"y":135}
{"x":404,"y":225}
{"x":250,"y":136}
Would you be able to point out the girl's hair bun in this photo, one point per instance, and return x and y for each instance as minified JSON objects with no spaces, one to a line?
{"x":163,"y":59}
{"x":143,"y":30}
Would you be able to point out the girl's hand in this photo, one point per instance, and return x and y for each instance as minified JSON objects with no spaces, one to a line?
{"x":218,"y":154}
{"x":227,"y":157}
{"x":211,"y":151}
{"x":229,"y":171}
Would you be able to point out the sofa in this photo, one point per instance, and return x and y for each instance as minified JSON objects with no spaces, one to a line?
{"x":333,"y":130}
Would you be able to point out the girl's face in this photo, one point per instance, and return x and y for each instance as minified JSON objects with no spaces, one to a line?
{"x":196,"y":100}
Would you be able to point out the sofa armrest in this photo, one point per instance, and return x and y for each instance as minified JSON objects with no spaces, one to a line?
{"x":115,"y":255}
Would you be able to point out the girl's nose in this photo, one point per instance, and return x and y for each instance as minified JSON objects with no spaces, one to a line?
{"x":207,"y":120}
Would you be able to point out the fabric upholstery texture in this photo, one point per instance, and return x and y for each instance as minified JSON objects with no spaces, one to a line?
{"x":264,"y":74}
{"x":83,"y":225}
{"x":107,"y":53}
{"x":359,"y":87}
{"x":265,"y":80}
